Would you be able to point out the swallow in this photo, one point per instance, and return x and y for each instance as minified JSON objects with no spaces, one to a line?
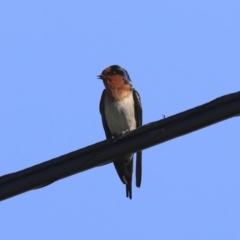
{"x":121,"y":112}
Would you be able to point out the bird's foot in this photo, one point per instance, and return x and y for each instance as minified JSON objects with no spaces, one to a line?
{"x":116,"y":137}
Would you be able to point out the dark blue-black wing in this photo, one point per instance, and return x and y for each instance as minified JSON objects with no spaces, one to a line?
{"x":138,"y":116}
{"x":102,"y":111}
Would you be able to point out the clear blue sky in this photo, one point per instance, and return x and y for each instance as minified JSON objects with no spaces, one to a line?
{"x":179,"y":54}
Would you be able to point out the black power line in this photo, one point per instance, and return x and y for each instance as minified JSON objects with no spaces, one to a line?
{"x":106,"y":151}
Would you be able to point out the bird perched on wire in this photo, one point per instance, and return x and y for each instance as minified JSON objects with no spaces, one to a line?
{"x":121,"y":111}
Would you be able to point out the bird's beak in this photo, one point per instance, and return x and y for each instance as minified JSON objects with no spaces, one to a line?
{"x":101,"y":76}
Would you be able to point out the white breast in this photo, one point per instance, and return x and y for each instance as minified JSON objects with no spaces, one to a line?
{"x":120,"y":115}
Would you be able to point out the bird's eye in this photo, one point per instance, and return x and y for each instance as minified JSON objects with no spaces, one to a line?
{"x":114,"y":72}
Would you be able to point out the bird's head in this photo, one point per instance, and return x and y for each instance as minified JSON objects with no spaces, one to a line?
{"x":114,"y":76}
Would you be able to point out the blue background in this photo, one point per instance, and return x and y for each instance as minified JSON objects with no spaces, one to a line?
{"x":179,"y":54}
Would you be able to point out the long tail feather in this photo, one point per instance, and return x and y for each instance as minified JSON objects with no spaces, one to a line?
{"x":129,"y":190}
{"x":124,"y":167}
{"x":139,"y":169}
